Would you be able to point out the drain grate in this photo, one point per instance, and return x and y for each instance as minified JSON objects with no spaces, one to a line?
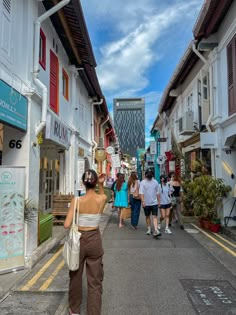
{"x":211,"y":296}
{"x":31,"y":303}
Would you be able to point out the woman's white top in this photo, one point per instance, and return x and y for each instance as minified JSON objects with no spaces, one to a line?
{"x":89,"y":220}
{"x":133,"y":188}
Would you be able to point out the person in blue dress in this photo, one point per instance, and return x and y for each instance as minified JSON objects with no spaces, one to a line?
{"x":121,"y":196}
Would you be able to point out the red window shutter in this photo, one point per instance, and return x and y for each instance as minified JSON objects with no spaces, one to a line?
{"x":231,"y":64}
{"x":54,"y":81}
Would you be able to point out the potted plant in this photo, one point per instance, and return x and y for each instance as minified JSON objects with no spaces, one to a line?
{"x":206,"y":193}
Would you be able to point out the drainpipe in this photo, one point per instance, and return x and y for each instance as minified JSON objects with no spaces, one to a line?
{"x":102,"y":124}
{"x":210,"y":81}
{"x":211,"y":100}
{"x":37,"y":82}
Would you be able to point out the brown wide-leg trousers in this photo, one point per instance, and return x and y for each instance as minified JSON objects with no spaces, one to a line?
{"x":91,"y":252}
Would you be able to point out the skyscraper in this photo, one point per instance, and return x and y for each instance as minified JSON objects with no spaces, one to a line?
{"x":129,"y":123}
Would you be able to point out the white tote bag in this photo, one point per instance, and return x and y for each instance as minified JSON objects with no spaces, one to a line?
{"x":71,"y":248}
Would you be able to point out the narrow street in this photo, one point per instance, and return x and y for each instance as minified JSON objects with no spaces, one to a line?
{"x":188,"y":272}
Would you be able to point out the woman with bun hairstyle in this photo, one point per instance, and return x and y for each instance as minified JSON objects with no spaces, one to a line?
{"x":90,"y":206}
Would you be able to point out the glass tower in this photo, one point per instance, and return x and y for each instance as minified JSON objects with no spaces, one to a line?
{"x":129,"y":123}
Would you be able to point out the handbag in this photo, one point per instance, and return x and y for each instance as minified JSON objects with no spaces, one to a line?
{"x":71,"y":250}
{"x":136,"y":194}
{"x":173,"y":200}
{"x":125,"y":213}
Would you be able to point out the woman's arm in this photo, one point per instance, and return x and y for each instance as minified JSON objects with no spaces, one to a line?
{"x":70,"y":213}
{"x":101,"y":179}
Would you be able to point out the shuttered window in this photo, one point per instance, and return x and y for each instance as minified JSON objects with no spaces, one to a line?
{"x":54,"y":82}
{"x":6,"y":28}
{"x":42,"y":49}
{"x":231,"y":64}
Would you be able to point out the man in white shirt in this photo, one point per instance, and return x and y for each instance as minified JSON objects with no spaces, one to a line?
{"x":150,"y":200}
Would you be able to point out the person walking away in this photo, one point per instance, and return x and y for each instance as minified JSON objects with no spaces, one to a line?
{"x":121,"y":196}
{"x":113,"y":191}
{"x":90,"y":206}
{"x":178,"y":196}
{"x":165,"y":191}
{"x":150,"y":198}
{"x":134,"y":199}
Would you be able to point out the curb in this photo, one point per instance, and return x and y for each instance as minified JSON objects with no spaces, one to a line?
{"x":44,"y":248}
{"x":63,"y":306}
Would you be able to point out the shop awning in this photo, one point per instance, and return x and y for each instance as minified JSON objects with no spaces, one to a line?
{"x":231,"y":141}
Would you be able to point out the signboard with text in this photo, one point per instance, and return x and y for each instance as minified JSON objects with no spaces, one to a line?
{"x":12,"y":199}
{"x":153,"y":147}
{"x":13,"y":107}
{"x":57,"y":131}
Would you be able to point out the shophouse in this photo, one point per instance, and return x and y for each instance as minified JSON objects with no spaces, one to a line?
{"x":50,"y":99}
{"x":198,"y":107}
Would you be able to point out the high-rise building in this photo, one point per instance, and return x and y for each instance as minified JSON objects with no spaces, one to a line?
{"x":129,"y":123}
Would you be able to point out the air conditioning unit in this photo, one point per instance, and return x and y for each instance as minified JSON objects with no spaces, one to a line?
{"x":186,"y":124}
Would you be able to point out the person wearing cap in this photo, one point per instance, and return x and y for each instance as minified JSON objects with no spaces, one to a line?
{"x":150,"y":199}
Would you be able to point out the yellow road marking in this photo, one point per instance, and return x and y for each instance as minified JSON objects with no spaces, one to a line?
{"x":226,"y":241}
{"x":214,"y":240}
{"x":47,"y":283}
{"x":32,"y":281}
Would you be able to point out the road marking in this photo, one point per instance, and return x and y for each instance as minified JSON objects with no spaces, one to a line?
{"x":32,"y":281}
{"x":47,"y":283}
{"x":226,"y":241}
{"x":214,"y":240}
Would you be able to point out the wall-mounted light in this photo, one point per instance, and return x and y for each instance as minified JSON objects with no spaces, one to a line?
{"x":228,"y":169}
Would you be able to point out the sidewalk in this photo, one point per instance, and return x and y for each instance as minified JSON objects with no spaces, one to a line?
{"x":10,"y":280}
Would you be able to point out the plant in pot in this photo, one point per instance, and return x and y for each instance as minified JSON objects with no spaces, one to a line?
{"x":207,"y":192}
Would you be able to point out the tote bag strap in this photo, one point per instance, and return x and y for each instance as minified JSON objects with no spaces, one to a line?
{"x":76,"y":211}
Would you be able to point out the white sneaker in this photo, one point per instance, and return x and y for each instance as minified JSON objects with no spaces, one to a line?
{"x":168,"y":231}
{"x":159,"y":226}
{"x":149,"y":231}
{"x":156,"y":233}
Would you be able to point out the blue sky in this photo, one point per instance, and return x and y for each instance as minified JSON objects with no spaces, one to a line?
{"x":137,"y":45}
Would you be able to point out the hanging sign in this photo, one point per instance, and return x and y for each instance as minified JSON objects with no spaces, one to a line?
{"x":115,"y":160}
{"x":12,"y":199}
{"x":80,"y":172}
{"x":153,"y":147}
{"x":110,"y":150}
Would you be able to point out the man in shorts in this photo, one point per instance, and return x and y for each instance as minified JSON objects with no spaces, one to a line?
{"x":150,"y":199}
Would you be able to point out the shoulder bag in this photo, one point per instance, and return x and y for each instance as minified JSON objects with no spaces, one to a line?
{"x":71,"y":248}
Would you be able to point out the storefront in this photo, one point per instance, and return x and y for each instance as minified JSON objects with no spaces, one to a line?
{"x":54,"y":161}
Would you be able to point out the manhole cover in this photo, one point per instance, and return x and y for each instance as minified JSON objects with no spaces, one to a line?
{"x":31,"y":303}
{"x":211,"y":296}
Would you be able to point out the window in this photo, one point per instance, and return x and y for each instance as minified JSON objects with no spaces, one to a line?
{"x":231,"y":65}
{"x":42,"y":49}
{"x":65,"y":85}
{"x":54,"y":81}
{"x":6,"y":28}
{"x":205,"y":87}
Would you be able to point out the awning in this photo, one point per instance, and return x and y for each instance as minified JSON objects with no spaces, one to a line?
{"x":231,"y":141}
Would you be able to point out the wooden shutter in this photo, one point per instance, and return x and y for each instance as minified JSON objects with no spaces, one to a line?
{"x":231,"y":64}
{"x":54,"y":81}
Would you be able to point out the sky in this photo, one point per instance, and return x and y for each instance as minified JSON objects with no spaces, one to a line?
{"x":137,"y":45}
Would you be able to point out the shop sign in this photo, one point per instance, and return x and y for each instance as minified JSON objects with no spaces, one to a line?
{"x":57,"y":131}
{"x":208,"y":140}
{"x":153,"y":147}
{"x":161,"y":139}
{"x":12,"y":197}
{"x":80,"y":172}
{"x":110,"y":150}
{"x":80,"y":152}
{"x":13,"y":107}
{"x":115,"y":160}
